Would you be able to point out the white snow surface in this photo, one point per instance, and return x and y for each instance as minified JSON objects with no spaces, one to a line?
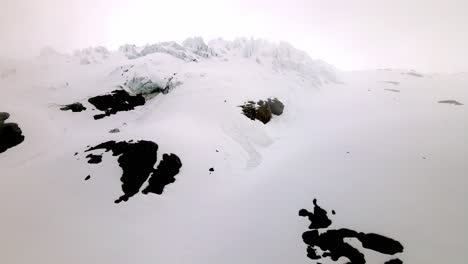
{"x":404,"y":177}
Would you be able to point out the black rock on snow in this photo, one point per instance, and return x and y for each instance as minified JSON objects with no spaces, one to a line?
{"x":10,"y":133}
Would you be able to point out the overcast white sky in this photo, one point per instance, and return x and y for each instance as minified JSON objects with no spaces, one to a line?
{"x":429,"y":35}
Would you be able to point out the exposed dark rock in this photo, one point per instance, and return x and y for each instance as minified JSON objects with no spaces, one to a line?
{"x":262,"y":110}
{"x":87,"y":177}
{"x":116,"y":101}
{"x":318,"y":219}
{"x":94,"y":159}
{"x":394,"y":261}
{"x":165,"y":174}
{"x":211,"y":169}
{"x":4,"y":116}
{"x":136,"y":160}
{"x":454,"y":102}
{"x":332,"y":243}
{"x":10,"y":133}
{"x":249,"y":110}
{"x":75,"y":107}
{"x":276,"y":106}
{"x":115,"y":130}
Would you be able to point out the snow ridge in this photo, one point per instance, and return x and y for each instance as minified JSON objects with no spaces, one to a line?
{"x":281,"y":57}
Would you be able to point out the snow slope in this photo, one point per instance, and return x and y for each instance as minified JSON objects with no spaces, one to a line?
{"x":391,"y":162}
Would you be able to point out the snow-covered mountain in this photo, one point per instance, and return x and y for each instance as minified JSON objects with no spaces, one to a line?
{"x":143,"y":155}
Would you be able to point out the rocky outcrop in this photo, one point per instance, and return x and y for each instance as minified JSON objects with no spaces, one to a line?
{"x":276,"y":106}
{"x":10,"y":133}
{"x":116,"y":101}
{"x":262,"y":110}
{"x":165,"y":174}
{"x":137,"y":160}
{"x":75,"y":107}
{"x":331,"y":243}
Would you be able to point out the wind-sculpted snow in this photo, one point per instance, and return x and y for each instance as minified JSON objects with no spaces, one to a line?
{"x":391,"y":82}
{"x":146,"y":78}
{"x":332,"y":244}
{"x":393,"y":90}
{"x":414,"y":74}
{"x":199,"y":47}
{"x":129,"y":50}
{"x":137,"y":160}
{"x":116,"y":101}
{"x":282,"y":57}
{"x":92,"y":55}
{"x":453,"y":102}
{"x":171,"y":48}
{"x":10,"y":133}
{"x":7,"y":73}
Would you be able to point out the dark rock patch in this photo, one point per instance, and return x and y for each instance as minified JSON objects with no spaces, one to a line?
{"x":116,"y":101}
{"x":87,"y":177}
{"x":453,"y":102}
{"x":75,"y":107}
{"x":136,"y":160}
{"x":393,"y":90}
{"x":115,"y":130}
{"x":94,"y":159}
{"x":165,"y":174}
{"x":332,"y":243}
{"x":262,"y":110}
{"x":4,"y":116}
{"x":276,"y":106}
{"x":211,"y":169}
{"x":249,"y":109}
{"x":394,"y":261}
{"x":10,"y":133}
{"x":318,"y":219}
